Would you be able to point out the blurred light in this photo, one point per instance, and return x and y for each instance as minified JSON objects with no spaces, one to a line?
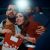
{"x":30,"y":46}
{"x":22,"y":4}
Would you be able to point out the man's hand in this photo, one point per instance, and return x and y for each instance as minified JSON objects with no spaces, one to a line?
{"x":6,"y":31}
{"x":40,"y":30}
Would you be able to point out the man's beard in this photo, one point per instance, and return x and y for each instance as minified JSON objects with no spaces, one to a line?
{"x":12,"y":19}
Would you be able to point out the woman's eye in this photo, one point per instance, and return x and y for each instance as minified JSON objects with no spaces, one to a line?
{"x":20,"y":16}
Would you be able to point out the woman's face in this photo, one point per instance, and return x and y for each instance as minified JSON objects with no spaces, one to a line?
{"x":19,"y":19}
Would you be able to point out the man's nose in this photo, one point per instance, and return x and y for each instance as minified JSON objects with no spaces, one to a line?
{"x":11,"y":13}
{"x":11,"y":10}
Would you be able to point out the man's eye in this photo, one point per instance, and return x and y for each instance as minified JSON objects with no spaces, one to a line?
{"x":9,"y":9}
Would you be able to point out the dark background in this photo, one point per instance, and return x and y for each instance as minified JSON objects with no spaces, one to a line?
{"x":44,"y":4}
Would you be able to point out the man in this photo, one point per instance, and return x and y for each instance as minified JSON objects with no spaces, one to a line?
{"x":10,"y":18}
{"x":10,"y":14}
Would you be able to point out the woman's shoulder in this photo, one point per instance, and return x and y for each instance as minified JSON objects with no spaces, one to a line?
{"x":33,"y":24}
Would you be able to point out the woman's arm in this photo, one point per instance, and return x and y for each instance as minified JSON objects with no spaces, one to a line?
{"x":30,"y":39}
{"x":39,"y":31}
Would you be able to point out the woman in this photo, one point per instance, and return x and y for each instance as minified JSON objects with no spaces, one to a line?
{"x":30,"y":31}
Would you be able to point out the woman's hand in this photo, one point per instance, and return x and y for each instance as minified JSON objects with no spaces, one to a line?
{"x":19,"y":35}
{"x":40,"y":30}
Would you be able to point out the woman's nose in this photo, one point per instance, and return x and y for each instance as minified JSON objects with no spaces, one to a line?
{"x":17,"y":19}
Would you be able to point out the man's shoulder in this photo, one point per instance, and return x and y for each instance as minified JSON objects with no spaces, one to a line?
{"x":4,"y":21}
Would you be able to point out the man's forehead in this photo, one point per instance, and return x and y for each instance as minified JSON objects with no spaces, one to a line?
{"x":11,"y":7}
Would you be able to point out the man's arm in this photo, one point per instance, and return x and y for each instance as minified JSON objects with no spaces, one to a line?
{"x":1,"y":27}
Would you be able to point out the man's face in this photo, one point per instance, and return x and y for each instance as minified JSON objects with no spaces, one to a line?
{"x":11,"y":11}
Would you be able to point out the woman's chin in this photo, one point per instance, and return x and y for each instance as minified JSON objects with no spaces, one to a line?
{"x":19,"y":24}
